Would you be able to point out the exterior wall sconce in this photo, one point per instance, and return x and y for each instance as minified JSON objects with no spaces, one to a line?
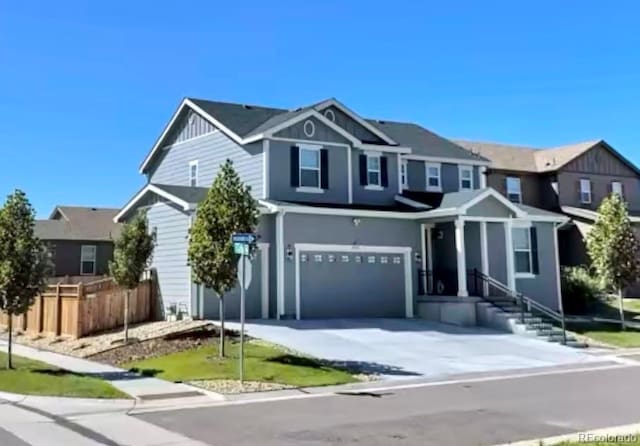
{"x":356,"y":222}
{"x":289,"y":253}
{"x":418,"y":258}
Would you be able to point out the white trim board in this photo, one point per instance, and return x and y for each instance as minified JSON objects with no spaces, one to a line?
{"x":446,"y":160}
{"x":404,"y":250}
{"x":151,"y":188}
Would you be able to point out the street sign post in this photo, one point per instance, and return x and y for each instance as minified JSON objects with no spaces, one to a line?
{"x":242,"y":245}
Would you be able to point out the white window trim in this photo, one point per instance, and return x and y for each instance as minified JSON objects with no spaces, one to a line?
{"x":372,"y":186}
{"x":312,"y":130}
{"x":197,"y":178}
{"x":620,"y":192}
{"x":464,"y":168}
{"x":330,"y":115}
{"x":519,"y":194}
{"x":404,"y":179}
{"x":426,"y":175}
{"x":583,"y":192}
{"x":93,"y":260}
{"x":312,"y":189}
{"x":529,"y":274}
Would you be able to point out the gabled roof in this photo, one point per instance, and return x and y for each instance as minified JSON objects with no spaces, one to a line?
{"x":79,"y":223}
{"x":185,"y":197}
{"x":424,"y":142}
{"x":530,"y":159}
{"x":245,"y":124}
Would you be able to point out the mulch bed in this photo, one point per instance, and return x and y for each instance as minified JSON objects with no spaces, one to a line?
{"x":173,"y":343}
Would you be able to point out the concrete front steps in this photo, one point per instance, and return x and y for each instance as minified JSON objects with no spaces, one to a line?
{"x":503,"y":313}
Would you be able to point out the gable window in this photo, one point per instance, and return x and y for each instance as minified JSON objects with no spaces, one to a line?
{"x":616,"y":188}
{"x":585,"y":191}
{"x":309,"y":128}
{"x":404,"y":176}
{"x":193,"y":173}
{"x":373,"y":170}
{"x":87,"y":260}
{"x":525,"y":241}
{"x":434,"y":182}
{"x":466,"y":177}
{"x":514,"y":193}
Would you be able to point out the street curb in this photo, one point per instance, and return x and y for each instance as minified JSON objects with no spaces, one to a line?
{"x":625,"y":430}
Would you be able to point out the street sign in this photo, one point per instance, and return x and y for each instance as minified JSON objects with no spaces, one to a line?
{"x":242,"y":237}
{"x":244,"y":266}
{"x":241,"y":248}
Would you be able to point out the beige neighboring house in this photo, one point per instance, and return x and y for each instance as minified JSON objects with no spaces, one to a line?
{"x":571,"y":179}
{"x":80,"y":241}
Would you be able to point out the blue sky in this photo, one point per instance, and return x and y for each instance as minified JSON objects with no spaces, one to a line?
{"x":86,"y":87}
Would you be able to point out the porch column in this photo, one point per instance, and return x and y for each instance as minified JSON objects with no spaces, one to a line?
{"x":508,"y":233}
{"x":462,"y":258}
{"x":484,"y":255}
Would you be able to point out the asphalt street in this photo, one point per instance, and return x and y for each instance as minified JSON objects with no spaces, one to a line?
{"x":465,"y":413}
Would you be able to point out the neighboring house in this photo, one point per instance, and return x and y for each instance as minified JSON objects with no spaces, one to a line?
{"x":572,"y":180}
{"x":359,"y":217}
{"x":80,"y":240}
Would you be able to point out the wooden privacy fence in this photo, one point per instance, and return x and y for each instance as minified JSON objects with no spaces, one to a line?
{"x":81,"y":309}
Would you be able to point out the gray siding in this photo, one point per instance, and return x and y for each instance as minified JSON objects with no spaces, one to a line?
{"x":569,"y":187}
{"x":322,"y":132}
{"x":497,"y":252}
{"x":489,"y":207}
{"x":531,"y":186}
{"x":170,"y":253}
{"x":353,"y":127}
{"x":450,"y":176}
{"x":188,"y":126}
{"x":300,"y":228}
{"x":366,"y":196}
{"x":66,"y":255}
{"x":280,"y":175}
{"x":543,"y":287}
{"x":211,"y":152}
{"x":599,"y":160}
{"x":472,"y":246}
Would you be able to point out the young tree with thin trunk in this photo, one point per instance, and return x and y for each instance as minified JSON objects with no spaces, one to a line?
{"x":24,"y":262}
{"x":131,"y":257}
{"x":227,"y":209}
{"x":614,"y":249}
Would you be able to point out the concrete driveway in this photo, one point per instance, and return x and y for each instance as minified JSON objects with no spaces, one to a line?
{"x":404,"y":348}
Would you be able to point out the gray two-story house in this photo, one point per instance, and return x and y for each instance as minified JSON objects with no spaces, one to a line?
{"x":572,"y":180}
{"x":359,"y":217}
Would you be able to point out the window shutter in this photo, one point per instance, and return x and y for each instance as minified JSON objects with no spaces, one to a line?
{"x":535,"y":264}
{"x":363,"y":170}
{"x":295,"y":166}
{"x":384,"y":174}
{"x":324,"y":169}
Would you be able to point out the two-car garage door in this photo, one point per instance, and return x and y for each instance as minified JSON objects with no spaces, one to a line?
{"x":334,"y":281}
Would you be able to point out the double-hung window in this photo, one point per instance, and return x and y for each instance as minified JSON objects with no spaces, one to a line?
{"x":525,"y":253}
{"x":404,"y":178}
{"x":434,"y":181}
{"x":373,"y":171}
{"x":193,"y":173}
{"x":585,"y":191}
{"x":309,"y":167}
{"x":514,"y":193}
{"x":616,"y":188}
{"x":87,"y":260}
{"x":466,"y":177}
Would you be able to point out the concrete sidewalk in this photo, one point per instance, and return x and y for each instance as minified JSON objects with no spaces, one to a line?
{"x":139,"y":387}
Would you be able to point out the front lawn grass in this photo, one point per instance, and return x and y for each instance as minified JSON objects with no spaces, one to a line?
{"x":36,"y":378}
{"x":609,"y":334}
{"x":261,"y":363}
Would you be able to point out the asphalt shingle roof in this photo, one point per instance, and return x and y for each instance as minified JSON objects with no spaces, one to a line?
{"x":79,"y":223}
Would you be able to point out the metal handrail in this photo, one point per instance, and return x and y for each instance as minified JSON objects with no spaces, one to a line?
{"x":530,"y":303}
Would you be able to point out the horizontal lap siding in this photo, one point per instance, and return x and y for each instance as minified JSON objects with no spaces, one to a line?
{"x":211,"y":151}
{"x":170,"y":253}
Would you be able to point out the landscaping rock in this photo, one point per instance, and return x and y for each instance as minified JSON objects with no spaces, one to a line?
{"x":232,"y":386}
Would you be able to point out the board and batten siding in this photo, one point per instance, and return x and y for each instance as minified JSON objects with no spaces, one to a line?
{"x":190,"y":125}
{"x":170,"y":253}
{"x":211,"y":151}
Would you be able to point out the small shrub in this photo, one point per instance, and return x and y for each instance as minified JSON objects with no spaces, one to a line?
{"x":580,"y":290}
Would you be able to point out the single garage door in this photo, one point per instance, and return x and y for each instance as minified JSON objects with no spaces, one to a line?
{"x":347,"y":284}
